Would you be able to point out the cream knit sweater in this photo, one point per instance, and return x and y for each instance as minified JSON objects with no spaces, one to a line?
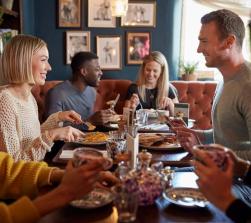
{"x":20,"y":132}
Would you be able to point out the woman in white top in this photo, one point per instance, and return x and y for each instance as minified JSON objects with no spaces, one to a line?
{"x":23,"y":64}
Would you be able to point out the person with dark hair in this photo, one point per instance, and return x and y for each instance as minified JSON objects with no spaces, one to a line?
{"x":220,"y":41}
{"x":79,"y":93}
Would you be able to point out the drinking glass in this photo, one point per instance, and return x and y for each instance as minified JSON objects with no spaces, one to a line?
{"x":126,"y":203}
{"x":142,"y":117}
{"x":217,"y":152}
{"x":116,"y":149}
{"x":85,"y":155}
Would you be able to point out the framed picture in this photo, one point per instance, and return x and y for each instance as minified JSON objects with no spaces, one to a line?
{"x":100,"y":14}
{"x":76,"y":41}
{"x":141,"y":14}
{"x":138,"y":46}
{"x":109,"y":52}
{"x":69,"y":13}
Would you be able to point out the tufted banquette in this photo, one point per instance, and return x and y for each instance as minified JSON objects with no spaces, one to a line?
{"x":198,"y":94}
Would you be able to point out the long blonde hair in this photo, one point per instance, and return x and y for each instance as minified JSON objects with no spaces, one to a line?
{"x":16,"y":60}
{"x":162,"y":83}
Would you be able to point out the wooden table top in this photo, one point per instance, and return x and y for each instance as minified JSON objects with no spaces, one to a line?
{"x":161,"y":212}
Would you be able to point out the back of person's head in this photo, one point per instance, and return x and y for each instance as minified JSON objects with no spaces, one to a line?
{"x":79,"y":60}
{"x":228,"y":23}
{"x":160,"y":59}
{"x":16,"y":60}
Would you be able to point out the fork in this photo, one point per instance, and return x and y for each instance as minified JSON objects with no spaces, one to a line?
{"x":115,"y":102}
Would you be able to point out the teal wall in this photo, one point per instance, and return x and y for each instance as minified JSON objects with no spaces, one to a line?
{"x":40,"y":19}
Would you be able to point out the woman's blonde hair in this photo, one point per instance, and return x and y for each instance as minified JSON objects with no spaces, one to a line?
{"x":16,"y":60}
{"x":162,"y":83}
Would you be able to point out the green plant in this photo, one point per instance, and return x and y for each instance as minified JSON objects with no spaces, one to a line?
{"x":189,"y":67}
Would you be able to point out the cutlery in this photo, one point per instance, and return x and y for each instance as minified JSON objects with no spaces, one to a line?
{"x":115,"y":102}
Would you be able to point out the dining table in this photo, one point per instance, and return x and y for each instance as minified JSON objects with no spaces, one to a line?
{"x":161,"y":211}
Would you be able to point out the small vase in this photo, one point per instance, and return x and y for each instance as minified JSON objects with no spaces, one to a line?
{"x":189,"y":77}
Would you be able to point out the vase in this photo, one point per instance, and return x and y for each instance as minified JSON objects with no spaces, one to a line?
{"x":189,"y":77}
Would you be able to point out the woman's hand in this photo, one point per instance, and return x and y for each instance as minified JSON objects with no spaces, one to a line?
{"x":75,"y":183}
{"x":70,"y":116}
{"x":167,"y":103}
{"x":80,"y":180}
{"x":67,"y":134}
{"x":213,"y":182}
{"x":106,"y":180}
{"x":134,"y":101}
{"x":102,"y":117}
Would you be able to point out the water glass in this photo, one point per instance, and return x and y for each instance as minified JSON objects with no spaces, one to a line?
{"x":116,"y":149}
{"x":142,"y":117}
{"x":85,"y":155}
{"x":126,"y":203}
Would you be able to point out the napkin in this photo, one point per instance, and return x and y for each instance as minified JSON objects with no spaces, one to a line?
{"x":155,"y":126}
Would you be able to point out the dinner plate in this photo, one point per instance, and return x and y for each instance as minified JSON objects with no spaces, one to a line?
{"x":150,"y":138}
{"x":114,"y":126}
{"x":185,"y":197}
{"x":93,"y":138}
{"x":95,"y":199}
{"x":91,"y":143}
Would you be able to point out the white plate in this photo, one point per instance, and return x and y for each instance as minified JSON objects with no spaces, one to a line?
{"x":112,"y":125}
{"x":94,"y":142}
{"x":185,"y":197}
{"x":171,"y":147}
{"x":96,"y":198}
{"x":152,"y":137}
{"x":91,"y":143}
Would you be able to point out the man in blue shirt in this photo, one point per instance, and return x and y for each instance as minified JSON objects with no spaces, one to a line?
{"x":79,"y":93}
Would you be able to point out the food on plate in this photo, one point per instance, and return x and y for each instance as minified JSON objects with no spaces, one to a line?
{"x":90,"y":126}
{"x":115,"y":118}
{"x":157,"y":140}
{"x":94,"y":137}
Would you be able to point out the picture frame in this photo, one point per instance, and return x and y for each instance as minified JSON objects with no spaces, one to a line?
{"x":100,"y":14}
{"x":138,"y":46}
{"x":69,"y":13}
{"x":76,"y":41}
{"x":109,"y":52}
{"x":140,"y":14}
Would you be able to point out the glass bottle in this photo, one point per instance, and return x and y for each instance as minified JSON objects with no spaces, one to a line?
{"x":145,"y":180}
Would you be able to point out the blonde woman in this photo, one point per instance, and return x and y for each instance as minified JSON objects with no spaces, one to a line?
{"x":152,"y":89}
{"x":23,"y":64}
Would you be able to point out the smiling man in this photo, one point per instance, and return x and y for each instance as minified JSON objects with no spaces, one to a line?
{"x":220,"y":41}
{"x":79,"y":93}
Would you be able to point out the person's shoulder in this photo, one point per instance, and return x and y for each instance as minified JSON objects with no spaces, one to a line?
{"x":91,"y":90}
{"x":5,"y":94}
{"x":62,"y":85}
{"x":60,"y":88}
{"x":7,"y":100}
